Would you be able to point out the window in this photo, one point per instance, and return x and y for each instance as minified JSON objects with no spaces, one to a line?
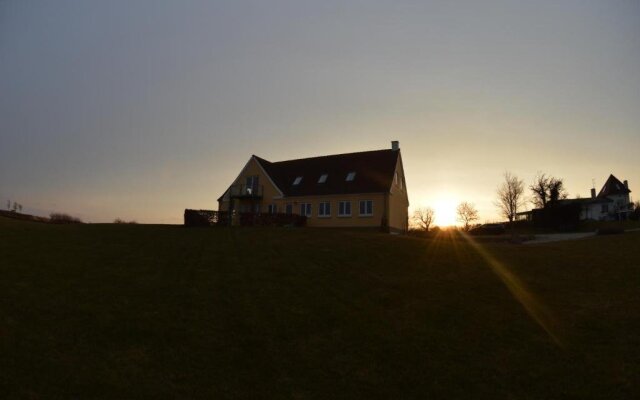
{"x":305,"y":209}
{"x":272,"y":209}
{"x":252,"y":185}
{"x":366,"y":208}
{"x":323,"y":178}
{"x":351,"y":176}
{"x":397,"y":179}
{"x":252,"y":181}
{"x":605,"y":208}
{"x":288,"y":209}
{"x":297,"y":181}
{"x":344,"y":209}
{"x":324,"y":209}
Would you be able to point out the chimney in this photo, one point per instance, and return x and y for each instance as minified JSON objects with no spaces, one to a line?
{"x":626,"y":184}
{"x":593,"y":193}
{"x":395,"y":145}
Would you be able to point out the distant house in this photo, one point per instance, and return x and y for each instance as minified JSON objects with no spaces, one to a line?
{"x":610,"y":204}
{"x":363,"y":189}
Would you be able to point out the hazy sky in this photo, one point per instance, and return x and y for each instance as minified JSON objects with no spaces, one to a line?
{"x":139,"y":109}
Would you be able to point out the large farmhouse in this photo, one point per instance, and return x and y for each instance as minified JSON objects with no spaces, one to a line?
{"x":364,"y":189}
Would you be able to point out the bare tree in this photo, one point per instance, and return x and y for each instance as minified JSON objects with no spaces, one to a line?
{"x":423,"y":217}
{"x":510,"y":196}
{"x":547,"y":190}
{"x":467,"y":213}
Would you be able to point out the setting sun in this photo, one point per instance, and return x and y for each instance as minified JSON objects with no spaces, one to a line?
{"x":445,"y":211}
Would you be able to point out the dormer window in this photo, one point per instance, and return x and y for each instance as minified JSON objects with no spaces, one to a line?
{"x":297,"y":181}
{"x":323,"y":178}
{"x":351,"y":176}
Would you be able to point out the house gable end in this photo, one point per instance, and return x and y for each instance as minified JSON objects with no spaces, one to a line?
{"x":253,"y":167}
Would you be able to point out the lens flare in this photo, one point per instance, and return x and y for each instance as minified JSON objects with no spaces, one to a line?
{"x":534,"y":308}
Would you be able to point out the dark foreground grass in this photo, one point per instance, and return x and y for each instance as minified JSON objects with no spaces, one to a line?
{"x":163,"y":312}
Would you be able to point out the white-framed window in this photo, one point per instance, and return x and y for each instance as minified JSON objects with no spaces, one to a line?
{"x":366,"y":208}
{"x":344,"y":209}
{"x":272,"y":208}
{"x":297,"y":181}
{"x":305,"y":209}
{"x":288,"y":209}
{"x":323,"y":178}
{"x":350,"y":176}
{"x":324,"y":209}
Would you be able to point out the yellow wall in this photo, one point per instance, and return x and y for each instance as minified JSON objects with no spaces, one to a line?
{"x":399,"y":201}
{"x":252,"y":168}
{"x":355,"y":220}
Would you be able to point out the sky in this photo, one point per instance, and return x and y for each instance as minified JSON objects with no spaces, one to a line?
{"x":140,"y":109}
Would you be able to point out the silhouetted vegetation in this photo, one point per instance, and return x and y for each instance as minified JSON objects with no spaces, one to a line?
{"x":193,"y":218}
{"x":547,"y":190}
{"x":510,"y":196}
{"x":423,"y":218}
{"x":562,"y":217}
{"x":61,"y":218}
{"x":635,"y":215}
{"x":467,"y":214}
{"x":121,"y":221}
{"x":17,"y":207}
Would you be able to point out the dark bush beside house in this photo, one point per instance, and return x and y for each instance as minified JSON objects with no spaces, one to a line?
{"x":221,"y":218}
{"x":562,"y":217}
{"x":205,"y":218}
{"x":635,"y":215}
{"x":488,"y":229}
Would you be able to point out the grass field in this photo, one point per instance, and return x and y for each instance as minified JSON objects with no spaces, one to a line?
{"x":164,"y":312}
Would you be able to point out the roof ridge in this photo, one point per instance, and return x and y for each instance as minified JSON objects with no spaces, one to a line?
{"x":332,"y":155}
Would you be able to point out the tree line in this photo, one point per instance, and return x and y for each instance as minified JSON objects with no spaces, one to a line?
{"x":511,"y":198}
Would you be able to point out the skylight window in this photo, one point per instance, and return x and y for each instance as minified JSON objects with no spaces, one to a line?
{"x":297,"y":181}
{"x":351,"y":176}
{"x":323,"y":178}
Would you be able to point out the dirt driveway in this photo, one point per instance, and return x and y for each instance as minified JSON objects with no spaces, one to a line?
{"x":557,"y":237}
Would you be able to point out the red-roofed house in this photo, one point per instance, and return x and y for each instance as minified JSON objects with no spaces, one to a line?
{"x":364,"y":189}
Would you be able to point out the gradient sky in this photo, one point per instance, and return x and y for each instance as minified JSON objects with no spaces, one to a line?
{"x":139,"y":109}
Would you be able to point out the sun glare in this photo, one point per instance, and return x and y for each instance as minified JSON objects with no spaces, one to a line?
{"x":445,"y":211}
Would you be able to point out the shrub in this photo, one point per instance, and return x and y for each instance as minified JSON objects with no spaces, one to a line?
{"x":121,"y":221}
{"x":635,"y":215}
{"x":60,"y":218}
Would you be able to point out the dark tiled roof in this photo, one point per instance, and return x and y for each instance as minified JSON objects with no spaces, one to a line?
{"x":585,"y":201}
{"x":613,"y":186}
{"x":374,"y":173}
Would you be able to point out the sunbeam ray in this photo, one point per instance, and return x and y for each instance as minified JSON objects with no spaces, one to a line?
{"x":536,"y":310}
